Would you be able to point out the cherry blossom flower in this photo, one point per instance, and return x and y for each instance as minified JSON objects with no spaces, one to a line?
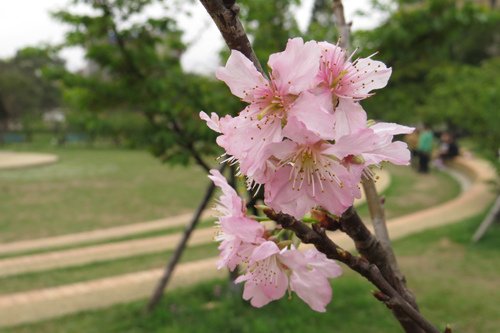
{"x":341,"y":83}
{"x":374,"y":145}
{"x":265,"y":278}
{"x":271,"y":272}
{"x":308,"y":175}
{"x":239,"y":235}
{"x":272,"y":102}
{"x":310,"y":271}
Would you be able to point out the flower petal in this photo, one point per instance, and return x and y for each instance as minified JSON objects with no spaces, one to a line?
{"x":294,"y":70}
{"x":241,"y":76}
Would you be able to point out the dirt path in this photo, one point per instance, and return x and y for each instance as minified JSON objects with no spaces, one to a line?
{"x":52,"y":302}
{"x":15,"y":160}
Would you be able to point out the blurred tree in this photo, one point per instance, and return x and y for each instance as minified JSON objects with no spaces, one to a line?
{"x":134,"y":67}
{"x":26,"y":91}
{"x":322,"y":25}
{"x":417,"y":38}
{"x":467,"y":97}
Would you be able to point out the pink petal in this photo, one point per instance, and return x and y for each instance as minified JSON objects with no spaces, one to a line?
{"x":229,"y":197}
{"x":354,"y":144}
{"x":314,"y":289}
{"x":294,"y":70}
{"x":212,"y":121}
{"x":241,"y":76}
{"x":349,"y":118}
{"x":255,"y":294}
{"x":391,"y":129}
{"x":308,"y":110}
{"x":282,"y":197}
{"x":310,"y":271}
{"x":264,"y":251}
{"x":396,"y":152}
{"x":325,"y":266}
{"x":373,"y":75}
{"x":244,"y":228}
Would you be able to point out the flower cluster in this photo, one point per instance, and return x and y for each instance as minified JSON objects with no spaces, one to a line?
{"x":303,"y":134}
{"x":306,"y":139}
{"x":273,"y":267}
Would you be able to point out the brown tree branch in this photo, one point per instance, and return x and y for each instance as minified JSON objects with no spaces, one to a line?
{"x":377,"y":214}
{"x":344,"y":27}
{"x":372,"y":249}
{"x":370,"y":271}
{"x":225,"y":15}
{"x":133,"y":68}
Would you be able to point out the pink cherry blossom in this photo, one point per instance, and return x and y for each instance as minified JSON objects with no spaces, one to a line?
{"x":272,"y":271}
{"x":272,"y":101}
{"x":239,"y":235}
{"x":308,"y":175}
{"x":265,"y":278}
{"x":374,"y":145}
{"x":350,"y":80}
{"x":341,"y":83}
{"x":310,"y":271}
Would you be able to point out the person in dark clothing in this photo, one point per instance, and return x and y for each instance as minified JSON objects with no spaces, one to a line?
{"x":448,"y":149}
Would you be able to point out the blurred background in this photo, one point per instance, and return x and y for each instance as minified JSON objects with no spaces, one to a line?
{"x":103,"y":160}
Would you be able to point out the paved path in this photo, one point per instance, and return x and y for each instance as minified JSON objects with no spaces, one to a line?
{"x":83,"y":238}
{"x":97,"y":253}
{"x":47,"y":303}
{"x":52,"y":302}
{"x":15,"y":160}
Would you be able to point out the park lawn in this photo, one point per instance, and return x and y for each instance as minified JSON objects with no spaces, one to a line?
{"x":410,"y":191}
{"x":455,"y":281}
{"x":91,"y":189}
{"x":98,"y":188}
{"x":438,"y":186}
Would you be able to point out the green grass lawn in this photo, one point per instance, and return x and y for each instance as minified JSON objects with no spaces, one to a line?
{"x":455,"y":282}
{"x":94,"y":188}
{"x":425,"y":190}
{"x":98,"y":188}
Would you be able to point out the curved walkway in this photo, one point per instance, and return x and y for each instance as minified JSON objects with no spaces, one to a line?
{"x":15,"y":160}
{"x":52,"y":302}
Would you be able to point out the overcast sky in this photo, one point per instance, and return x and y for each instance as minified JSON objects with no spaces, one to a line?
{"x":28,"y":22}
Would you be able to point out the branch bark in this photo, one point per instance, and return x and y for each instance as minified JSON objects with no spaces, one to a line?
{"x":343,"y":26}
{"x":225,"y":15}
{"x":317,"y":236}
{"x":377,"y":214}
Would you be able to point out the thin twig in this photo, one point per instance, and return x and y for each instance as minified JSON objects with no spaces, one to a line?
{"x":376,"y":208}
{"x":172,"y":263}
{"x":134,"y":69}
